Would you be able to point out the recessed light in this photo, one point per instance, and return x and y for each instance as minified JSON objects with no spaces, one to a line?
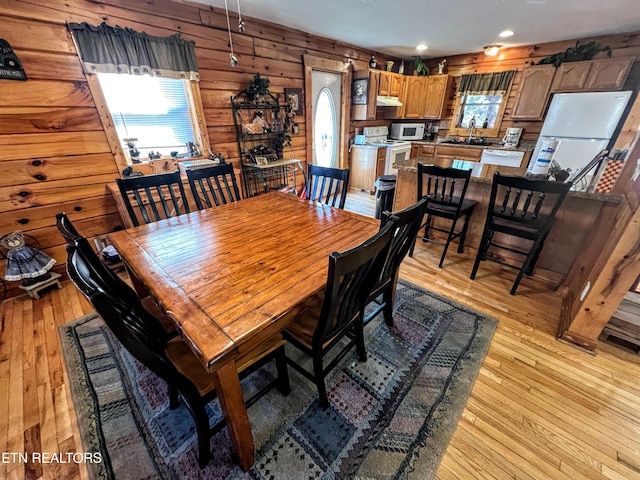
{"x":421,"y":47}
{"x":505,"y":33}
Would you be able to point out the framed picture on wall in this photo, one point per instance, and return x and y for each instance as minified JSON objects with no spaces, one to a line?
{"x":294,"y":97}
{"x":359,"y":91}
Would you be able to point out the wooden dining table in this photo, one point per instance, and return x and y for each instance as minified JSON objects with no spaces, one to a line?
{"x":233,"y":276}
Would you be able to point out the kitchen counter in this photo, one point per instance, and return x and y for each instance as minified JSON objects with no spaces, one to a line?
{"x":575,"y":219}
{"x":523,"y":147}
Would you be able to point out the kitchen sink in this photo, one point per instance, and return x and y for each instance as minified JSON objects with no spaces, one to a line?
{"x":474,"y":141}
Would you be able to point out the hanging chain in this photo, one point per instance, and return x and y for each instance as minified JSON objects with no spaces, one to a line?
{"x":232,"y":58}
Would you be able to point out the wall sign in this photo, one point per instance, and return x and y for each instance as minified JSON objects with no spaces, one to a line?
{"x":10,"y":66}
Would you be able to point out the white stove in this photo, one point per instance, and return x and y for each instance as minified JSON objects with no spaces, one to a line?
{"x":397,"y":150}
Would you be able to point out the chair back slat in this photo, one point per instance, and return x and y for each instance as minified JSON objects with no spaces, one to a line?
{"x":528,"y":202}
{"x":351,"y":277}
{"x":444,"y":186}
{"x":151,"y":192}
{"x":213,"y":186}
{"x":327,"y":185}
{"x":406,"y":224}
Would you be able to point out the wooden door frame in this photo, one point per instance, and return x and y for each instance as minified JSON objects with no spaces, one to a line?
{"x":343,"y":69}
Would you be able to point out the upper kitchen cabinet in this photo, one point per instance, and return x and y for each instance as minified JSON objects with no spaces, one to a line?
{"x":534,"y":92}
{"x":368,"y":111}
{"x":390,"y":84}
{"x":592,"y":75}
{"x":609,"y":73}
{"x":437,"y":92}
{"x":414,"y":97}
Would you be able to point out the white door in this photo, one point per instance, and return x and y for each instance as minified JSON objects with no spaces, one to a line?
{"x":325,"y":117}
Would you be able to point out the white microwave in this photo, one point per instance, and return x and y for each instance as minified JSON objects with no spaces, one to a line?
{"x":407,"y":131}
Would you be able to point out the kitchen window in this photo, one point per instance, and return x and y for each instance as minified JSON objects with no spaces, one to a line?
{"x":481,"y":102}
{"x":484,"y":109}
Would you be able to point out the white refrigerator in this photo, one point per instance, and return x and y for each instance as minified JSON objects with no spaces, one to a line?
{"x":584,"y":124}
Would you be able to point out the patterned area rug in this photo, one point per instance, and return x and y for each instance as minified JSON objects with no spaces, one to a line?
{"x":390,"y":417}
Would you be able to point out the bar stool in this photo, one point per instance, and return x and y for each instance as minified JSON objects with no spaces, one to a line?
{"x":445,"y":192}
{"x":522,"y":208}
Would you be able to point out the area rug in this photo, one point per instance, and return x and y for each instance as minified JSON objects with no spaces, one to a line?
{"x":389,"y":417}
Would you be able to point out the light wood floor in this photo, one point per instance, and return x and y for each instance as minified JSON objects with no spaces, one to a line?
{"x":539,"y":408}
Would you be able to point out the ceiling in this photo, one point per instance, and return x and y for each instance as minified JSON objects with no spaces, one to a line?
{"x":448,"y":27}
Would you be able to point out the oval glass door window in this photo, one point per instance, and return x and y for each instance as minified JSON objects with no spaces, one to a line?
{"x":325,"y":129}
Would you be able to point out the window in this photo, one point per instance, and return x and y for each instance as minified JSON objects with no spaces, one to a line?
{"x":325,"y":129}
{"x":483,"y":108}
{"x":154,"y":110}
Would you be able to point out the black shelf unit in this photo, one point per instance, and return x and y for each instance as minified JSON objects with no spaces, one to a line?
{"x":259,"y":150}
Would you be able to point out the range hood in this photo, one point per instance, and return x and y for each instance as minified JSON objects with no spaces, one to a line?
{"x":383,"y":101}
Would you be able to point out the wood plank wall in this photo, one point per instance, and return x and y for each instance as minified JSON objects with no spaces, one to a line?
{"x":54,"y":153}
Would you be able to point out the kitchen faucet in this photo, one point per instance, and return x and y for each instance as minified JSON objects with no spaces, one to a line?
{"x":472,"y":125}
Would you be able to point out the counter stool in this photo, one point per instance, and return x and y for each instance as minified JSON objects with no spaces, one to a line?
{"x":445,"y":191}
{"x":522,"y":208}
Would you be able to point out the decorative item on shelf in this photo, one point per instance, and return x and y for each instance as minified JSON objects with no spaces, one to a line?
{"x":421,"y":69}
{"x":134,"y":153}
{"x":295,"y":129}
{"x":25,"y":262}
{"x":260,"y":121}
{"x":485,"y":124}
{"x":130,"y":172}
{"x":193,"y":150}
{"x":252,"y":128}
{"x":217,"y":158}
{"x":372,"y":62}
{"x":441,"y":66}
{"x":154,"y":155}
{"x":258,"y":87}
{"x":293,"y":96}
{"x":389,"y":65}
{"x":401,"y":68}
{"x":575,"y":54}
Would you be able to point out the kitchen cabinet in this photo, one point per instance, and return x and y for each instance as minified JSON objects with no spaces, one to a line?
{"x":446,"y":154}
{"x":592,"y":75}
{"x":437,"y":92}
{"x":413,"y":100}
{"x":367,"y":164}
{"x":534,"y":92}
{"x":422,"y":150}
{"x":608,"y":73}
{"x":390,"y":84}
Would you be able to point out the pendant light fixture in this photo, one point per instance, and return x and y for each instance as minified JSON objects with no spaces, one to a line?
{"x":232,"y":58}
{"x":240,"y":21}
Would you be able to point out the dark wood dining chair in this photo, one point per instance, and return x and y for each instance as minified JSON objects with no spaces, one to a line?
{"x":117,"y":286}
{"x":213,"y":186}
{"x":445,"y":190}
{"x":153,"y":197}
{"x":522,"y":208}
{"x":406,"y":224}
{"x":168,"y":357}
{"x":340,"y":311}
{"x":327,"y":185}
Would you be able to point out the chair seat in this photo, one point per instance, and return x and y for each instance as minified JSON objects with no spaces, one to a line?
{"x":450,"y":210}
{"x":189,"y":366}
{"x":519,"y":229}
{"x":302,"y":328}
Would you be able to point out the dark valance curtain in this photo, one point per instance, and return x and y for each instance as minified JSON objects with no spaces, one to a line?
{"x":105,"y":49}
{"x":495,"y":83}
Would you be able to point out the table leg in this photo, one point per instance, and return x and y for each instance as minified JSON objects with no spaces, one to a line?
{"x":231,"y":400}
